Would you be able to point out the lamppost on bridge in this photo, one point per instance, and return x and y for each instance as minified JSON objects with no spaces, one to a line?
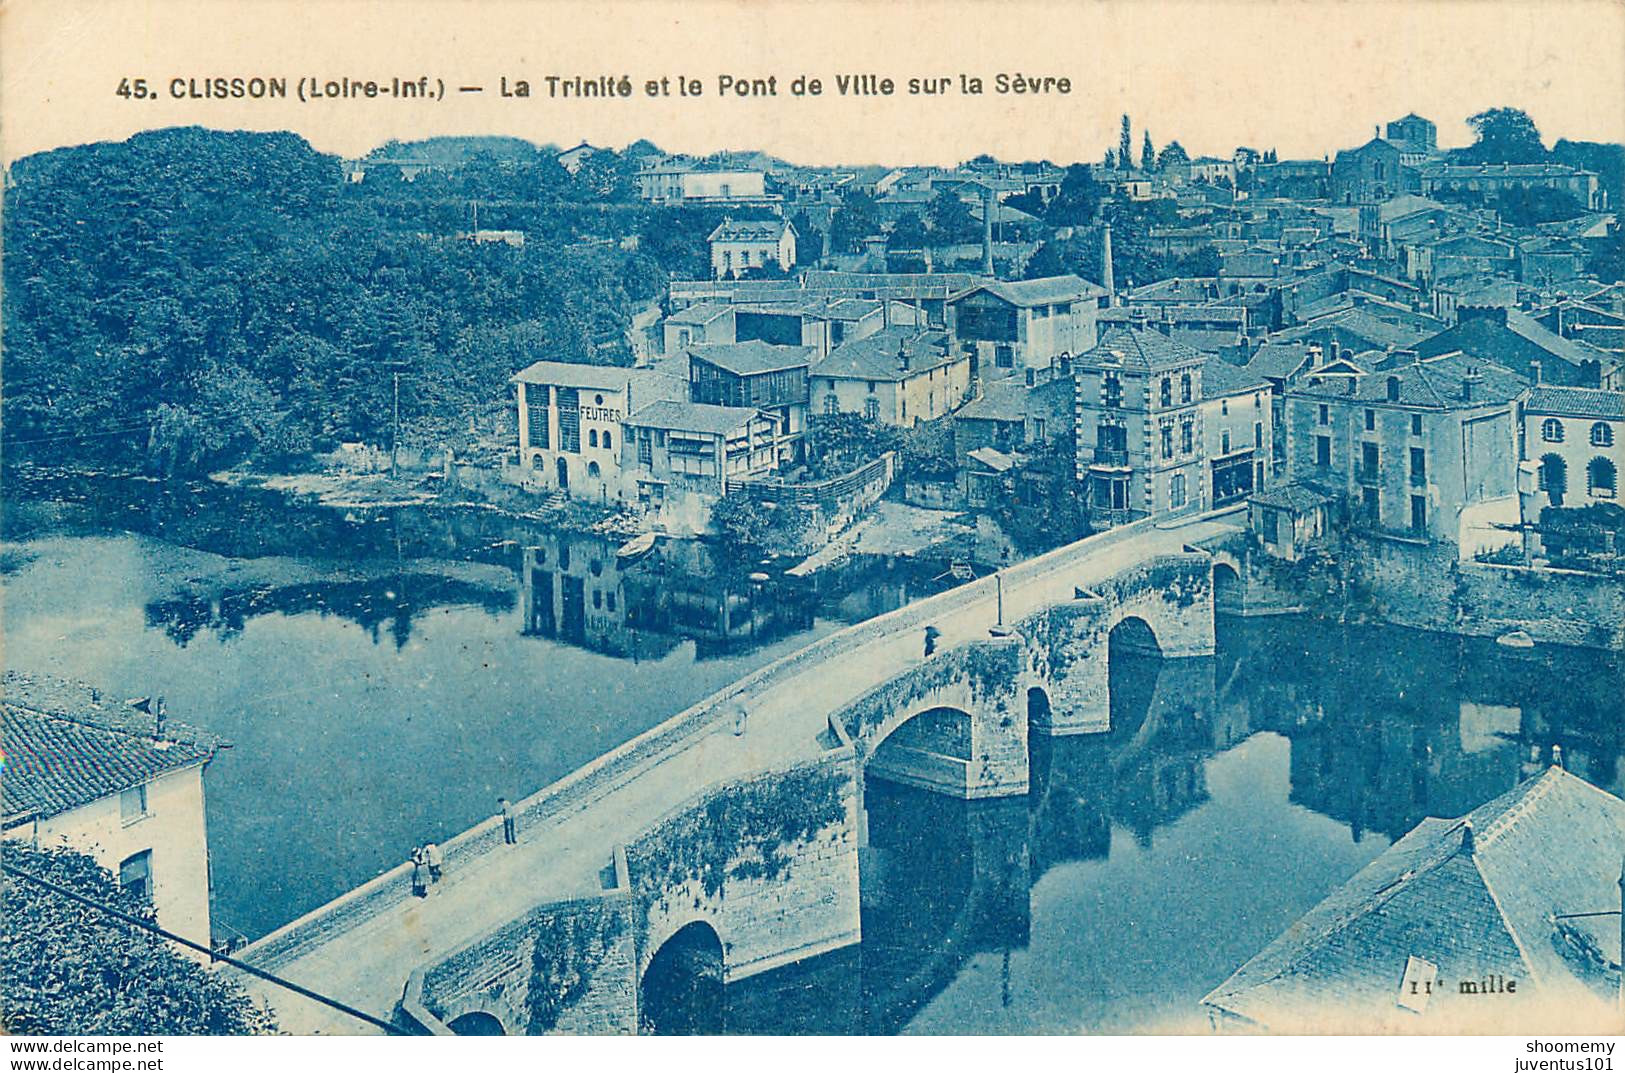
{"x":999,"y":629}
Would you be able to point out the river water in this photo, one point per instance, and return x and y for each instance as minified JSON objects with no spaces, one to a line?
{"x":384,"y":676}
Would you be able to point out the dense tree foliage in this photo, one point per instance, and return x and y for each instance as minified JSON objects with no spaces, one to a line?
{"x":1607,"y":159}
{"x":1078,"y":199}
{"x":1136,"y":259}
{"x":744,"y":521}
{"x":1172,"y":157}
{"x":951,"y":220}
{"x":1607,"y":260}
{"x":1522,"y":207}
{"x":1504,"y":136}
{"x":854,"y":221}
{"x":840,"y":443}
{"x":191,"y":298}
{"x":1043,"y":506}
{"x":67,"y":969}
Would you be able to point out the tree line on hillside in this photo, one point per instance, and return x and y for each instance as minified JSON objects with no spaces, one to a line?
{"x":189,"y":299}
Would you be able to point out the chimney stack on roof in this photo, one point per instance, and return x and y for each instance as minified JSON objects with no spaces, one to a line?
{"x":1470,"y":382}
{"x":902,"y":355}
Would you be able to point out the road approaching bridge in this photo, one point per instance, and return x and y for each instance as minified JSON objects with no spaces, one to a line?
{"x":364,"y":947}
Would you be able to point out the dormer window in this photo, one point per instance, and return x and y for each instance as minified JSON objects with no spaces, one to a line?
{"x":1393,"y":389}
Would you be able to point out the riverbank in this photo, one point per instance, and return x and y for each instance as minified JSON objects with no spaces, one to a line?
{"x":891,"y":528}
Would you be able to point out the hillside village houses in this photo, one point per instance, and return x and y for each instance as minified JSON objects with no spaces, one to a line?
{"x":738,"y":246}
{"x":1575,"y":437}
{"x":1026,"y":328}
{"x":1375,"y":345}
{"x":678,"y":181}
{"x":1420,"y":447}
{"x":1138,"y":414}
{"x":132,"y":797}
{"x":900,"y":375}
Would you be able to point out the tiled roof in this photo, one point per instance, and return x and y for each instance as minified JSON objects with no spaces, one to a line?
{"x":64,"y":747}
{"x":1473,"y":171}
{"x":890,"y":284}
{"x":823,"y":307}
{"x":1435,"y":383}
{"x":1012,"y":400}
{"x":1220,"y":378}
{"x":693,"y":416}
{"x":1487,"y":338}
{"x":993,"y":458}
{"x":1140,"y":348}
{"x":1476,"y":896}
{"x":699,"y":313}
{"x":1577,"y":402}
{"x":875,"y":357}
{"x":1356,"y":324}
{"x":1293,"y":497}
{"x":573,"y":374}
{"x":1037,"y":292}
{"x":749,"y":231}
{"x":750,"y":358}
{"x":1278,"y":360}
{"x":1405,"y":205}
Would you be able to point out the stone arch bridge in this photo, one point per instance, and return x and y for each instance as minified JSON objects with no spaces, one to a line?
{"x":714,"y":855}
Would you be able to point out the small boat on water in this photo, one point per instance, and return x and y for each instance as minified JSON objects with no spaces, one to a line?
{"x":636,"y":548}
{"x":1515,"y":639}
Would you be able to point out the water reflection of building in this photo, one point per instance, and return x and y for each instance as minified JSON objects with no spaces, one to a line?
{"x":571,"y":588}
{"x":574,"y":589}
{"x":1389,"y":726}
{"x":1384,"y":727}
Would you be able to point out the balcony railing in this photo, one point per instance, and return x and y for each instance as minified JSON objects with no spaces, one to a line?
{"x":1108,"y":517}
{"x":1368,"y":475}
{"x":1110,"y":456}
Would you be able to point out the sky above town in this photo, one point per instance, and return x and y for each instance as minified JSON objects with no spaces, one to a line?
{"x":1305,"y":78}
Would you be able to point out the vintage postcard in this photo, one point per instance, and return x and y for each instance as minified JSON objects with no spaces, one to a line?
{"x":1036,"y":518}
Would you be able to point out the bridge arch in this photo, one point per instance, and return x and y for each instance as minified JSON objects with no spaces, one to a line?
{"x":1038,"y":706}
{"x":1228,"y":591}
{"x":478,"y":1020}
{"x":1132,"y":635}
{"x":681,"y":989}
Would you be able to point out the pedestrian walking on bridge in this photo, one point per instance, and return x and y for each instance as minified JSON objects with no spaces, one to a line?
{"x":931,"y":635}
{"x":510,"y":823}
{"x":420,"y":886}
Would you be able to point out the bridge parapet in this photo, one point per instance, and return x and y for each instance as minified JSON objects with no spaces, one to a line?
{"x":566,"y":966}
{"x":983,"y":682}
{"x":545,"y":809}
{"x":770,"y":863}
{"x":1068,"y":645}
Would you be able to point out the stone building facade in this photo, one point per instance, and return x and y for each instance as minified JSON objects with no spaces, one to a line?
{"x":1139,"y":427}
